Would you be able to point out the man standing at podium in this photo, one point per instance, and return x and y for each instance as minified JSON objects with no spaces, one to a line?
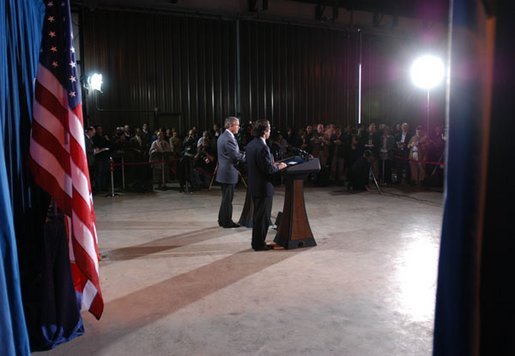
{"x":226,"y":174}
{"x":261,"y":167}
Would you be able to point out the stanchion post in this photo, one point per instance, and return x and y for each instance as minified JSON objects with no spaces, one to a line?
{"x":383,"y":170}
{"x":162,"y":172}
{"x":123,"y":173}
{"x":213,"y":177}
{"x":111,"y":168}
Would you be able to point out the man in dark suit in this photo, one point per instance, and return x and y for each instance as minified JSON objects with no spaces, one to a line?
{"x":90,"y":152}
{"x":227,"y":175}
{"x":402,"y":153}
{"x":261,"y":167}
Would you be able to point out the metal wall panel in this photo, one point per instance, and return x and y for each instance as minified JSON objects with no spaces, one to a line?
{"x":179,"y":70}
{"x":158,"y":66}
{"x":388,"y":94}
{"x":296,"y":75}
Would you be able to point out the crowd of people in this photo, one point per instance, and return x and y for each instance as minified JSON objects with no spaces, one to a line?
{"x":349,"y":156}
{"x":151,"y":159}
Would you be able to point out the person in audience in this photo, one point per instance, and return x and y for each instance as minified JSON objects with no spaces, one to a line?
{"x":402,"y":154}
{"x":127,"y":132}
{"x":168,"y":135}
{"x":338,"y":157}
{"x":204,"y":163}
{"x":308,"y":137}
{"x":120,"y":143}
{"x":215,"y":132}
{"x":175,"y":143}
{"x":386,"y":156}
{"x":358,"y":176}
{"x":317,"y":144}
{"x":137,"y":175}
{"x":372,"y":139}
{"x":417,"y":146}
{"x":200,"y":142}
{"x":90,"y":152}
{"x":146,"y":136}
{"x":279,"y":147}
{"x":185,"y":166}
{"x":159,"y":153}
{"x":102,"y":146}
{"x":436,"y":156}
{"x":289,"y":135}
{"x":353,"y":152}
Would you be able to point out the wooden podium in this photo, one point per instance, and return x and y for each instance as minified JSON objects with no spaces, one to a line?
{"x":294,"y":230}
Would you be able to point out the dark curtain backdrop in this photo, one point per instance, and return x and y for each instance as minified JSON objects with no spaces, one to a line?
{"x":176,"y":64}
{"x":290,"y":74}
{"x":388,"y":94}
{"x":297,"y":75}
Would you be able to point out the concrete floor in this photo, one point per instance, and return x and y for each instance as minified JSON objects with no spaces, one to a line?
{"x":174,"y":283}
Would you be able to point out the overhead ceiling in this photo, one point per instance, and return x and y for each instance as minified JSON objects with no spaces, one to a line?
{"x":430,"y":10}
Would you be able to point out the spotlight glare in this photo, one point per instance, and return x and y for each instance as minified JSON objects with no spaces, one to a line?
{"x":95,"y":82}
{"x":427,"y":72}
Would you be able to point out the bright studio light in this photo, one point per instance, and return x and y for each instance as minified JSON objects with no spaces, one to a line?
{"x":427,"y":72}
{"x":95,"y":82}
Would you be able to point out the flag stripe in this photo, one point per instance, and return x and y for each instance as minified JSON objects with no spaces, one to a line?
{"x":89,"y":294}
{"x":57,"y":150}
{"x":80,"y":178}
{"x":49,"y":163}
{"x":44,"y":137}
{"x":85,"y":234}
{"x":49,"y":101}
{"x":50,"y":183}
{"x":49,"y":82}
{"x":77,"y":128}
{"x":55,"y":104}
{"x":97,"y":306}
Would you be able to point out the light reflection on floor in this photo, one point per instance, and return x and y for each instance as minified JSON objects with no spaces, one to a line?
{"x":415,"y":274}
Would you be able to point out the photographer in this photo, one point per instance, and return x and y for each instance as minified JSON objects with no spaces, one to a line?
{"x":204,"y":162}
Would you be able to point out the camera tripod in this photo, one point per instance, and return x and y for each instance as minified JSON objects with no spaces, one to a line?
{"x":375,"y":180}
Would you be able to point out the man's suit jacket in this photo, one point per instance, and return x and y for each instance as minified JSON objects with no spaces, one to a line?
{"x":402,"y":150}
{"x":90,"y":150}
{"x":228,"y":155}
{"x":260,"y":167}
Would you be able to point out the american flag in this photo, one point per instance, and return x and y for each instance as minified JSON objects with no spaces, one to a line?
{"x":57,"y":154}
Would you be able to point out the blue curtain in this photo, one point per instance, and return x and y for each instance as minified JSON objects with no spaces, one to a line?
{"x":52,"y":313}
{"x":475,"y":306}
{"x":39,"y":307}
{"x":20,"y":31}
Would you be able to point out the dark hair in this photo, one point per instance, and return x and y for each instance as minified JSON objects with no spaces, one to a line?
{"x":260,"y":127}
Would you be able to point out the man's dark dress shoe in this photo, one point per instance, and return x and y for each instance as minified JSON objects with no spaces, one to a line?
{"x":233,"y":224}
{"x":264,"y":248}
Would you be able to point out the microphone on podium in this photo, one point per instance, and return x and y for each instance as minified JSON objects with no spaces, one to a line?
{"x":301,"y":152}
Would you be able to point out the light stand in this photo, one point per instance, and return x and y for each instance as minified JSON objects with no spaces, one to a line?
{"x":426,"y":73}
{"x":427,"y":112}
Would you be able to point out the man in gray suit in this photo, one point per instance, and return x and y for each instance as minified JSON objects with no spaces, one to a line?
{"x":227,"y":175}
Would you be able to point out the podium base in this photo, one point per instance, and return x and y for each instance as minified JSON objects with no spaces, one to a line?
{"x":291,"y":244}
